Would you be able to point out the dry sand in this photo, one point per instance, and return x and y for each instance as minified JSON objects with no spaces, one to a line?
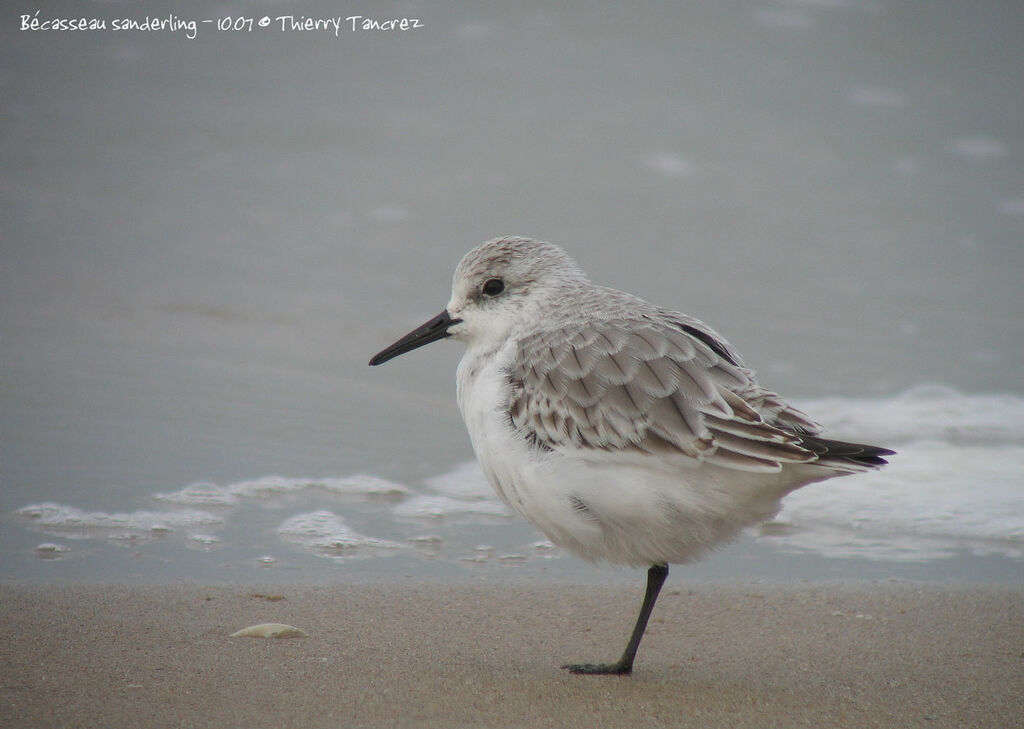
{"x":444,"y":655}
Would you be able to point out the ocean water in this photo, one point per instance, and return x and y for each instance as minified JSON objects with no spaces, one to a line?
{"x":204,"y":240}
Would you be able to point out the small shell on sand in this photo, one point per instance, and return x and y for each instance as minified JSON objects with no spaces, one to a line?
{"x":269,"y":630}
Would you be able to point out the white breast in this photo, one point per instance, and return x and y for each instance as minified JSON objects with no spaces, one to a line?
{"x":483,"y":395}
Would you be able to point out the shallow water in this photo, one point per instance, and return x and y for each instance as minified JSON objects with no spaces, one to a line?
{"x":205,"y":240}
{"x":946,"y":507}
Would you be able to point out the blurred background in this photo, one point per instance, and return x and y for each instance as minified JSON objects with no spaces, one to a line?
{"x":204,"y":240}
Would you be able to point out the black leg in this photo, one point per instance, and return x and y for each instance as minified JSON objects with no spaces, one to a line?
{"x":655,"y":579}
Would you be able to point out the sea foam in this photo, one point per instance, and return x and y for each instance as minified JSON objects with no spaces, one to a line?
{"x":956,"y":485}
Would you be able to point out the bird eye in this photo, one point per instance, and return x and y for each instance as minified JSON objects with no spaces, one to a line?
{"x":493,"y":287}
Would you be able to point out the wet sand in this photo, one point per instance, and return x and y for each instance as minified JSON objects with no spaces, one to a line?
{"x":488,"y":655}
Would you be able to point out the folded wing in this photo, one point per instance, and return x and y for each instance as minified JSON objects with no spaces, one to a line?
{"x":663,"y":384}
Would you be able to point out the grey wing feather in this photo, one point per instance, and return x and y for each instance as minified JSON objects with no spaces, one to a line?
{"x":658,"y":384}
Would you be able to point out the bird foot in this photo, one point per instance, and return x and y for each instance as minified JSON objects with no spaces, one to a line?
{"x":599,"y":669}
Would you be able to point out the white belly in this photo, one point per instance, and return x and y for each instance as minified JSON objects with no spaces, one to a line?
{"x":603,"y":506}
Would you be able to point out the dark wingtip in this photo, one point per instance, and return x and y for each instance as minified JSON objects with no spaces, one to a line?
{"x":859,"y":453}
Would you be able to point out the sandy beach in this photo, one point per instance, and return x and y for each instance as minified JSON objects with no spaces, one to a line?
{"x":488,"y":655}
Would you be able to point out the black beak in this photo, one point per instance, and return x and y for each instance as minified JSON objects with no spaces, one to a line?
{"x":436,"y":328}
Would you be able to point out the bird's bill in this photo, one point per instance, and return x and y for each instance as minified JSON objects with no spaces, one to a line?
{"x":436,"y":328}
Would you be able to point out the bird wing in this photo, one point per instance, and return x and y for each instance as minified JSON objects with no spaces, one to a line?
{"x":660,"y":384}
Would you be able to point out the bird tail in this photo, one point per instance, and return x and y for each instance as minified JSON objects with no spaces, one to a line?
{"x":844,"y":455}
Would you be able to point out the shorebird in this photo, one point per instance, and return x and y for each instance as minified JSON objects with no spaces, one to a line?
{"x":625,"y":432}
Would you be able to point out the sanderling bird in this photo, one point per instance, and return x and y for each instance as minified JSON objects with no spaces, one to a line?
{"x":625,"y":432}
